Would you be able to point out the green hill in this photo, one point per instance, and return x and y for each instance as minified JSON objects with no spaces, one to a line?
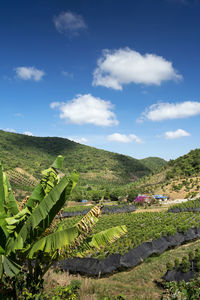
{"x":153,"y":163}
{"x":33,"y":154}
{"x":185,"y":166}
{"x":179,"y":178}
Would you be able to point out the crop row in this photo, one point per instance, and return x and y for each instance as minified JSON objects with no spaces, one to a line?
{"x":190,"y":205}
{"x":142,"y":227}
{"x":108,"y":209}
{"x":20,"y":179}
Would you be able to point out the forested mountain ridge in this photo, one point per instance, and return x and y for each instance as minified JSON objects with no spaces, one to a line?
{"x":33,"y":154}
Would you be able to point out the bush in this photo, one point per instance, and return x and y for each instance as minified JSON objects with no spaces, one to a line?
{"x":169,"y":266}
{"x":185,"y":266}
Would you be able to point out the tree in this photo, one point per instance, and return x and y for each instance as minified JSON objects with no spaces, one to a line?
{"x":25,"y":244}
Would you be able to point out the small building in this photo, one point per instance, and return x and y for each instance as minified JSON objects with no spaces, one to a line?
{"x":84,"y":201}
{"x":143,"y":199}
{"x":160,"y":197}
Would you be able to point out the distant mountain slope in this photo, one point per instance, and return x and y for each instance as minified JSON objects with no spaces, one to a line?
{"x":34,"y":154}
{"x":179,"y":178}
{"x":186,"y":165}
{"x":153,"y":163}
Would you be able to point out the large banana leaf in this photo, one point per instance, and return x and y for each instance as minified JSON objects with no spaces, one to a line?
{"x":8,"y":266}
{"x":45,"y":212}
{"x":46,"y":184}
{"x":55,"y":241}
{"x":3,"y":223}
{"x":10,"y":199}
{"x":57,"y":164}
{"x":36,"y":197}
{"x":8,"y":203}
{"x":86,"y":224}
{"x":99,"y":240}
{"x":15,"y":223}
{"x":107,"y":236}
{"x":49,"y":180}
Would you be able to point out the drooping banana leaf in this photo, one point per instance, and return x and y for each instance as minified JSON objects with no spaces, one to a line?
{"x":8,"y":266}
{"x":85,"y":227}
{"x":45,"y":212}
{"x":100,"y":240}
{"x":90,"y":219}
{"x":107,"y":236}
{"x":15,"y":223}
{"x":55,"y":241}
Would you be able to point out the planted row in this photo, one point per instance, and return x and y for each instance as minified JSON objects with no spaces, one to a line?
{"x":185,"y":269}
{"x":190,"y":205}
{"x":109,"y":209}
{"x":142,"y":227}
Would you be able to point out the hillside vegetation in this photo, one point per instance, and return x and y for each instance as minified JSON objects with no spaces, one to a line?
{"x":33,"y":154}
{"x":179,"y":178}
{"x":153,"y":163}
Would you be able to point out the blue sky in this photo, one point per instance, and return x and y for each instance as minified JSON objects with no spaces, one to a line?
{"x":117,"y":75}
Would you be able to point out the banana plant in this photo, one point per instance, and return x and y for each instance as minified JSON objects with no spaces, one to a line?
{"x":23,"y":242}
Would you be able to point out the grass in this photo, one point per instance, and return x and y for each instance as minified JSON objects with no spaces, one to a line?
{"x":137,"y":283}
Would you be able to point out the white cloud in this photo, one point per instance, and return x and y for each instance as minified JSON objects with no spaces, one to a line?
{"x":122,"y":138}
{"x":86,"y":109}
{"x":164,"y":111}
{"x":80,"y":140}
{"x":176,"y":134}
{"x":29,"y":73}
{"x":28,"y":133}
{"x":69,"y":23}
{"x":124,"y":66}
{"x":10,"y":130}
{"x":56,"y":104}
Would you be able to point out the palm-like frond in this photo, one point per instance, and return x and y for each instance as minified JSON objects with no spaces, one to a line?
{"x":107,"y":236}
{"x":49,"y":180}
{"x":55,"y":241}
{"x":10,"y":201}
{"x":8,"y":266}
{"x":45,"y":212}
{"x":86,"y":224}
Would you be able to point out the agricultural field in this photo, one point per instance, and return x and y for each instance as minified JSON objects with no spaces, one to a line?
{"x":191,"y":205}
{"x":134,"y":284}
{"x":142,"y":227}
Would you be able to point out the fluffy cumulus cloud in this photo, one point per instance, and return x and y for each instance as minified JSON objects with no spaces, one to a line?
{"x":124,"y":66}
{"x":164,"y":111}
{"x":28,"y":133}
{"x":29,"y":73}
{"x":122,"y":138}
{"x":86,"y":109}
{"x":69,"y":23}
{"x":176,"y":134}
